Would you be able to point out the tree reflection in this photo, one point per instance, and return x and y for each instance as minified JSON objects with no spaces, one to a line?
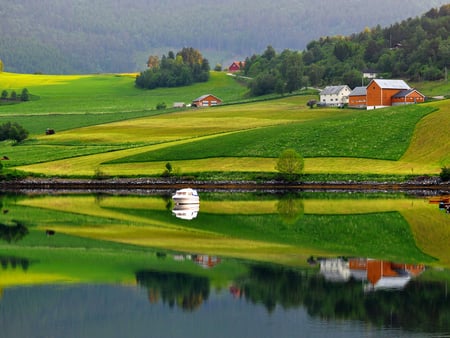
{"x":420,"y":306}
{"x":13,"y":233}
{"x":290,"y":208}
{"x":183,"y":290}
{"x":14,"y":262}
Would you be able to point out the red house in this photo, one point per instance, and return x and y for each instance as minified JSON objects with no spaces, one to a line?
{"x":207,"y":100}
{"x":236,"y":66}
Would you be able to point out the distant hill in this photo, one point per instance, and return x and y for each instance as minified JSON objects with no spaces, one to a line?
{"x":416,"y":49}
{"x":62,"y":36}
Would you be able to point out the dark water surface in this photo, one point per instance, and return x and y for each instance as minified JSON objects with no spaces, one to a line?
{"x":125,"y":311}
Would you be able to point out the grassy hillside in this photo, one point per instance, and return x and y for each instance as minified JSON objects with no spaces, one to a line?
{"x":104,"y":124}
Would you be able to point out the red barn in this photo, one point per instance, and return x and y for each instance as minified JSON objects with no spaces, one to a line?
{"x":382,"y":93}
{"x":408,"y":96}
{"x":358,"y":98}
{"x":207,"y":100}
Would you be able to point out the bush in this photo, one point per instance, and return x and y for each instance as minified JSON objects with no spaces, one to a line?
{"x":445,"y":174}
{"x":161,"y":106}
{"x":290,"y":164}
{"x":12,"y":131}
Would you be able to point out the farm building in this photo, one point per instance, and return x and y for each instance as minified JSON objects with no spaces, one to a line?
{"x":207,"y":100}
{"x":236,"y":66}
{"x":357,"y":98}
{"x":370,"y":73}
{"x":384,"y":93}
{"x":334,"y":96}
{"x":408,"y":96}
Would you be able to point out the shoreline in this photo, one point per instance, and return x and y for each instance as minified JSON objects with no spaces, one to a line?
{"x":152,"y":184}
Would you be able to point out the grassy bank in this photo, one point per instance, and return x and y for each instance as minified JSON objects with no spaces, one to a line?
{"x":105,"y":125}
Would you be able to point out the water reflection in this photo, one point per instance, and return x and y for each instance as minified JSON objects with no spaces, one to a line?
{"x":186,"y":291}
{"x":109,"y":239}
{"x":13,"y":233}
{"x":13,"y":262}
{"x":186,"y":211}
{"x":376,"y":274}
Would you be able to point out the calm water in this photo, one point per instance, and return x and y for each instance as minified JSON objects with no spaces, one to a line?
{"x":52,"y":286}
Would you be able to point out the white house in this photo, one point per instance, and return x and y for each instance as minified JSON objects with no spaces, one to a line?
{"x":370,"y":74}
{"x":334,"y":96}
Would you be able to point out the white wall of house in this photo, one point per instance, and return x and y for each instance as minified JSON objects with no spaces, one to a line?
{"x":334,"y":96}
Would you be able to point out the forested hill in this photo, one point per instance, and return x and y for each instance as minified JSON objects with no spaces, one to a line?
{"x":87,"y":36}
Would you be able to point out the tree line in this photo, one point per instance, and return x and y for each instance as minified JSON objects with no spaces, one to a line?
{"x":188,"y":66}
{"x":415,"y":49}
{"x":93,"y":36}
{"x":13,"y":96}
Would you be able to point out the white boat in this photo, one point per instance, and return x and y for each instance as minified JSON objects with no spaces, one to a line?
{"x":186,"y":211}
{"x":186,"y":196}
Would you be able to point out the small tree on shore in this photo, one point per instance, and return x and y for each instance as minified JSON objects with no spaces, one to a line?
{"x":290,"y":164}
{"x":445,"y":174}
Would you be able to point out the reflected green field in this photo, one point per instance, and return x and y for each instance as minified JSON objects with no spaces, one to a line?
{"x":118,"y":235}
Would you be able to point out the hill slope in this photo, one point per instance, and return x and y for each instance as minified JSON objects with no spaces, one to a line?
{"x":100,"y":36}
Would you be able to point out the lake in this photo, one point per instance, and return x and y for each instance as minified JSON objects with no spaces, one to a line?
{"x":240,"y":264}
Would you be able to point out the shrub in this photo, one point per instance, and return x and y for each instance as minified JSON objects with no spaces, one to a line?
{"x":161,"y":106}
{"x":290,"y":164}
{"x":12,"y":131}
{"x":445,"y":174}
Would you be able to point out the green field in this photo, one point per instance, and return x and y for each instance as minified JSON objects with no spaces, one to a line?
{"x":104,"y":124}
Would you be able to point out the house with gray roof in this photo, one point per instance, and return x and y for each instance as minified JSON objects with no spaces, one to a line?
{"x":385,"y":93}
{"x":334,"y":96}
{"x":358,"y":98}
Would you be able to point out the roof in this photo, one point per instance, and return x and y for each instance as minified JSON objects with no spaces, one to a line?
{"x":405,"y":92}
{"x":204,"y":97}
{"x":358,"y":91}
{"x":332,"y":90}
{"x":390,"y":84}
{"x":370,"y":71}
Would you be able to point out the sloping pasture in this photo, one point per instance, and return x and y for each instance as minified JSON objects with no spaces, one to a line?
{"x":249,"y":137}
{"x":105,"y":93}
{"x":104,"y":123}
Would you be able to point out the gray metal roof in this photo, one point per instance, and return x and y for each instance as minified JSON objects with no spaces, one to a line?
{"x":391,"y":84}
{"x":358,"y":91}
{"x":332,"y":90}
{"x":404,"y":93}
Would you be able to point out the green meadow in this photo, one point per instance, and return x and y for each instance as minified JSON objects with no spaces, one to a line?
{"x":104,"y":124}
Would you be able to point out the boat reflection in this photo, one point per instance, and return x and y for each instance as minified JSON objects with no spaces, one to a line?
{"x":375,"y":274}
{"x":186,"y":211}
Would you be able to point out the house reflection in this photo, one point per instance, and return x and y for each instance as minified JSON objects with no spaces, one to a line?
{"x":376,"y":274}
{"x":186,"y":211}
{"x":205,"y":261}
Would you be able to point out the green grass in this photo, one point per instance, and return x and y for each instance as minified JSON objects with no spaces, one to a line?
{"x":110,"y":93}
{"x":433,"y":88}
{"x":384,"y":134}
{"x":36,"y":125}
{"x":104,"y":122}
